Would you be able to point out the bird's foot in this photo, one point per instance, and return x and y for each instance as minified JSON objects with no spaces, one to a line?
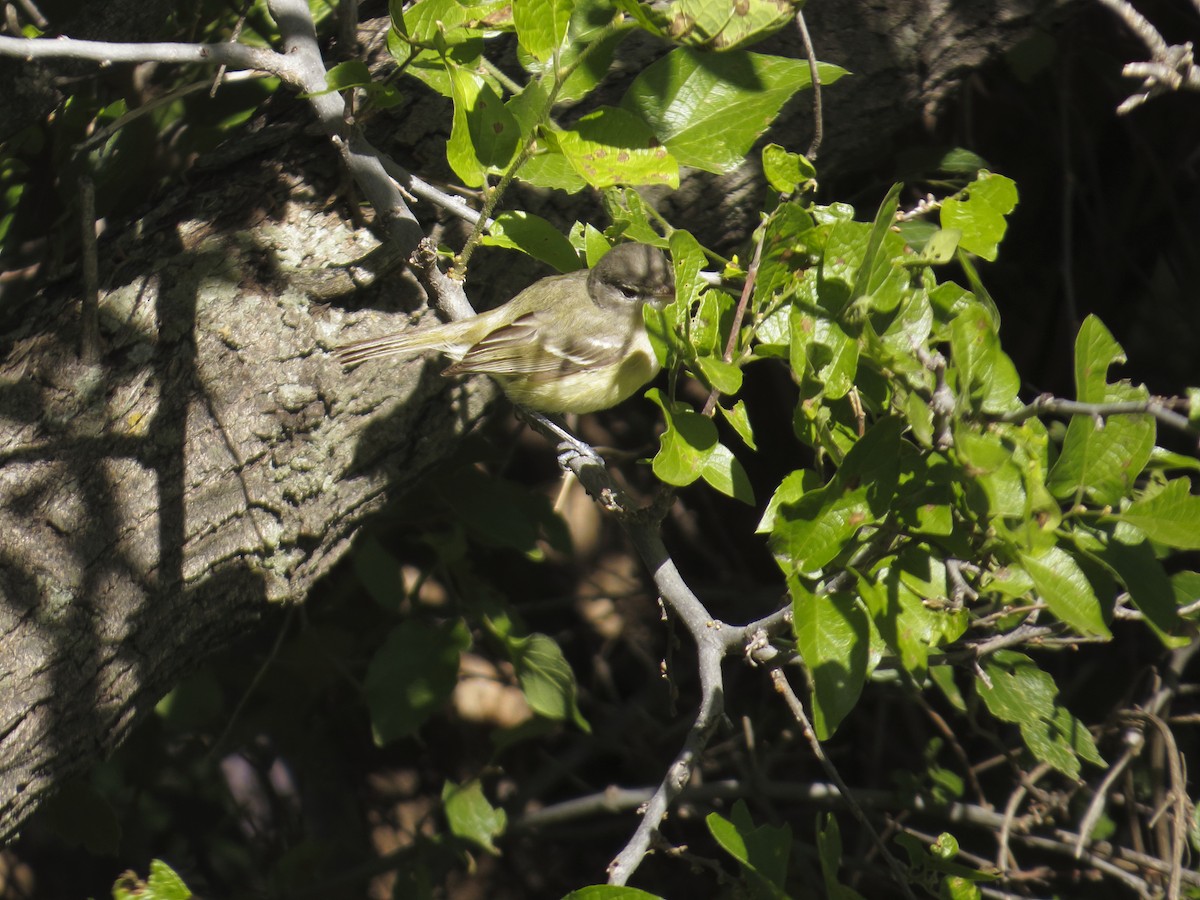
{"x":571,"y":451}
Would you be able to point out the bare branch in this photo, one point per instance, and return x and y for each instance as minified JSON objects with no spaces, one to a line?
{"x":300,"y":66}
{"x":1171,"y":67}
{"x":1162,"y":408}
{"x":235,"y":56}
{"x":818,"y":116}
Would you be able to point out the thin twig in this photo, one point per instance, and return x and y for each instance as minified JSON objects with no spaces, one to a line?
{"x":34,"y":14}
{"x":818,"y":116}
{"x":1162,"y":408}
{"x":739,"y":314}
{"x":1171,"y":67}
{"x":89,"y":331}
{"x":784,"y":687}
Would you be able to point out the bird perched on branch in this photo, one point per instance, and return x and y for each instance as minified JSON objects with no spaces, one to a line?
{"x":572,"y":343}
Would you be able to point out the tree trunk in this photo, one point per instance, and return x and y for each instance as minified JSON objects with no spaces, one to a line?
{"x":216,"y":461}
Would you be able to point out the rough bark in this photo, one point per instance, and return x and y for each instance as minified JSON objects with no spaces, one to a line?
{"x":217,"y":460}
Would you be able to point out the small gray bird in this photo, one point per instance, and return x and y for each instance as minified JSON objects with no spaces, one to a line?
{"x":572,"y":343}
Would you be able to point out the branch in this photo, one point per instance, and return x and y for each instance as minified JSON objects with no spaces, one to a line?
{"x":815,"y":75}
{"x":235,"y":56}
{"x":1171,"y":67}
{"x":300,"y":66}
{"x":1159,"y":407}
{"x":363,"y":161}
{"x":711,"y":646}
{"x":1103,"y":856}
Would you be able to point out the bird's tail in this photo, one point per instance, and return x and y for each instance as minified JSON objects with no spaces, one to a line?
{"x":400,"y":343}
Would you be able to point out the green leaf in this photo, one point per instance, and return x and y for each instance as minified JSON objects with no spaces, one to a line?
{"x":471,"y":816}
{"x":541,"y":25}
{"x":987,"y":375}
{"x":412,"y":675}
{"x":790,"y":490}
{"x":943,"y":677}
{"x":1066,"y":590}
{"x":1104,"y":462}
{"x":725,"y":24}
{"x":586,"y":54}
{"x":933,"y":249}
{"x":447,"y":22}
{"x":962,"y":161}
{"x":725,"y":377}
{"x":1171,"y":517}
{"x":938,"y":860}
{"x":686,"y":444}
{"x":1131,"y":558}
{"x":906,"y":617}
{"x":163,"y":884}
{"x":739,"y":420}
{"x":723,"y":472}
{"x":352,"y":73}
{"x":484,"y":133}
{"x":710,"y":322}
{"x":551,"y":169}
{"x":687,"y":257}
{"x":708,"y":109}
{"x":546,"y":678}
{"x":987,"y":461}
{"x":956,"y":887}
{"x":926,"y":492}
{"x":1096,"y":351}
{"x":610,"y":892}
{"x":829,"y":851}
{"x":589,"y":73}
{"x":535,"y":236}
{"x":833,"y":638}
{"x":872,"y":265}
{"x":630,"y":216}
{"x":501,"y":513}
{"x":786,"y":171}
{"x":613,"y":146}
{"x":1186,"y":586}
{"x":808,"y":533}
{"x":981,"y":216}
{"x":595,"y":244}
{"x":378,"y":571}
{"x":821,"y":346}
{"x":762,"y":850}
{"x":690,"y":449}
{"x":1169,"y":461}
{"x":1023,"y":694}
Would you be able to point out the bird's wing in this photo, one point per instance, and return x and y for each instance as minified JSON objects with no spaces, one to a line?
{"x":523,"y":348}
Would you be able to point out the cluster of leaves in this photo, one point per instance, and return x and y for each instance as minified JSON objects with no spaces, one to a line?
{"x":692,"y":107}
{"x":937,"y":511}
{"x":924,"y":458}
{"x":924,"y":464}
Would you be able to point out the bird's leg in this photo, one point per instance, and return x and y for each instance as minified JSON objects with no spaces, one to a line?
{"x":570,"y":448}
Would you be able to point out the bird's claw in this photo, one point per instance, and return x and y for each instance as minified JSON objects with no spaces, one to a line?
{"x":572,"y":453}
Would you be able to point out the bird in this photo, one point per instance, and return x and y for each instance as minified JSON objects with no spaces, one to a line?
{"x":573,"y":343}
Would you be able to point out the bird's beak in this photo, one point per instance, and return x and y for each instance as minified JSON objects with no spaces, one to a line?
{"x":662,"y":296}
